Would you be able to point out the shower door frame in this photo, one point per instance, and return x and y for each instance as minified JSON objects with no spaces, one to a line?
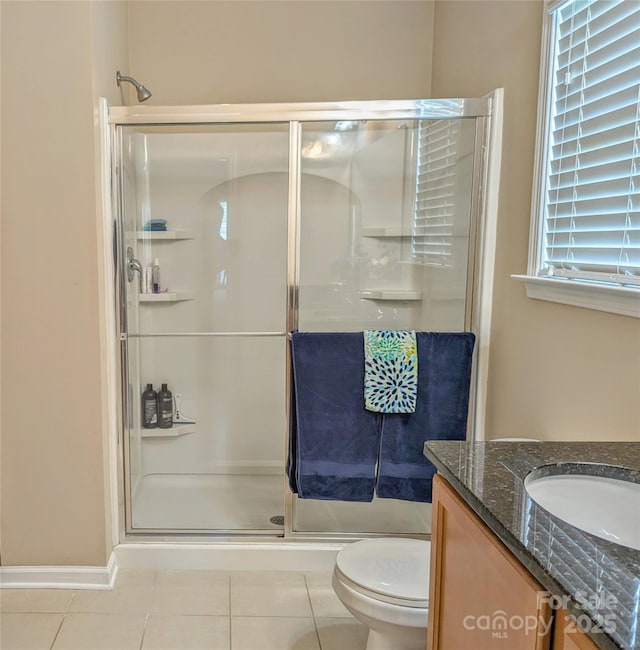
{"x":479,"y":270}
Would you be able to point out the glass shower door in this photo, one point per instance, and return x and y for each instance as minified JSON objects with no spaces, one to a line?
{"x":207,"y":207}
{"x":386,"y":242}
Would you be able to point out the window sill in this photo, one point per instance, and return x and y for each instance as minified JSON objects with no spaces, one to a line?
{"x":617,"y":300}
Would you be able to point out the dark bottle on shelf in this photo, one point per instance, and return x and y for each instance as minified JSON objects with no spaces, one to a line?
{"x":149,"y":408}
{"x":165,"y":408}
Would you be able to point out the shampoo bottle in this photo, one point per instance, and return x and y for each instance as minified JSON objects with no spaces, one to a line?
{"x":155,"y":273}
{"x":147,"y":279}
{"x":165,"y":408}
{"x":149,"y":408}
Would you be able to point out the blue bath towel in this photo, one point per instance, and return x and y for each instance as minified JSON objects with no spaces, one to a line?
{"x":335,"y":444}
{"x":390,"y":371}
{"x":333,"y":439}
{"x":444,"y":373}
{"x":154,"y":225}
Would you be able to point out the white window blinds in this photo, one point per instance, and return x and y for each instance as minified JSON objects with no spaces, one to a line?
{"x":591,"y":193}
{"x":431,"y":240}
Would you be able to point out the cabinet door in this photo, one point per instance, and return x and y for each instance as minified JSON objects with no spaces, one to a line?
{"x":567,"y":637}
{"x":480,"y":597}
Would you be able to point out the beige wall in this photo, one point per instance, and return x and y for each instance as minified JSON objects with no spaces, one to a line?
{"x":110,"y":47}
{"x":53,"y":480}
{"x":556,"y":372}
{"x":210,"y":52}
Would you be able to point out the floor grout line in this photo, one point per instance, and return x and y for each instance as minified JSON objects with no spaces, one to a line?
{"x":230,"y":632}
{"x":55,"y":637}
{"x":146,"y":618}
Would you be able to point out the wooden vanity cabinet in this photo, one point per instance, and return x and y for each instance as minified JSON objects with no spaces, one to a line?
{"x":480,"y":596}
{"x":567,"y":637}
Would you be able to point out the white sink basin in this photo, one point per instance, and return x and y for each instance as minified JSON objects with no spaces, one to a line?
{"x":606,"y":507}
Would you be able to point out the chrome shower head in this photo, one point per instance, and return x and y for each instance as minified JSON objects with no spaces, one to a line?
{"x":143,"y":93}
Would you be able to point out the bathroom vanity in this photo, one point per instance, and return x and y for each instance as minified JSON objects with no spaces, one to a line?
{"x":505,"y":573}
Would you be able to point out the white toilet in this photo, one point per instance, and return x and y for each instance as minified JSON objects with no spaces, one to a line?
{"x":384,"y":583}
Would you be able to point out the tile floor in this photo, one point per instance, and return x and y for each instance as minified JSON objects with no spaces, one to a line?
{"x":183,"y":610}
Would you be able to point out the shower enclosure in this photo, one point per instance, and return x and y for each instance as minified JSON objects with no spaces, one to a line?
{"x":263,"y":219}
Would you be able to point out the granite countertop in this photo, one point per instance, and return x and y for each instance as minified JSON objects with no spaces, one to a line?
{"x":590,"y":576}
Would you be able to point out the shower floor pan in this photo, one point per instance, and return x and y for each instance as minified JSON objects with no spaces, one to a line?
{"x":186,"y":502}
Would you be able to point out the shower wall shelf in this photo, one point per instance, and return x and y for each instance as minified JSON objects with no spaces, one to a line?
{"x":169,"y":296}
{"x":390,"y":294}
{"x":164,"y":234}
{"x":173,"y":432}
{"x":386,"y":231}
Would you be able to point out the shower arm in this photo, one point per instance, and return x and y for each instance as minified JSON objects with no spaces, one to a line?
{"x":142,"y":92}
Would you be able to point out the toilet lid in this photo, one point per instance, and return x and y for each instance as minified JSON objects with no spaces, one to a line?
{"x":394,"y":569}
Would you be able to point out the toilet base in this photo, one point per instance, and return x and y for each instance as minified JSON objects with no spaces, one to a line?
{"x":378,"y":641}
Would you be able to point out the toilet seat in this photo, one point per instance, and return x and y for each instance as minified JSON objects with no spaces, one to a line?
{"x":394,"y":570}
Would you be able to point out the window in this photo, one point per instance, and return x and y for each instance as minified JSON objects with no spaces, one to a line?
{"x":586,"y":222}
{"x":431,"y":240}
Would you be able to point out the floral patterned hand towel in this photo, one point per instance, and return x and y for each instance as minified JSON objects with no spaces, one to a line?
{"x":390,"y":371}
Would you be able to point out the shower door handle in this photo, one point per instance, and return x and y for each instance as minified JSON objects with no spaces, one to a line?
{"x":132,"y":265}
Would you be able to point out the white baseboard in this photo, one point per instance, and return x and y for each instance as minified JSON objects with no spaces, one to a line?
{"x":59,"y":577}
{"x":241,"y":556}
